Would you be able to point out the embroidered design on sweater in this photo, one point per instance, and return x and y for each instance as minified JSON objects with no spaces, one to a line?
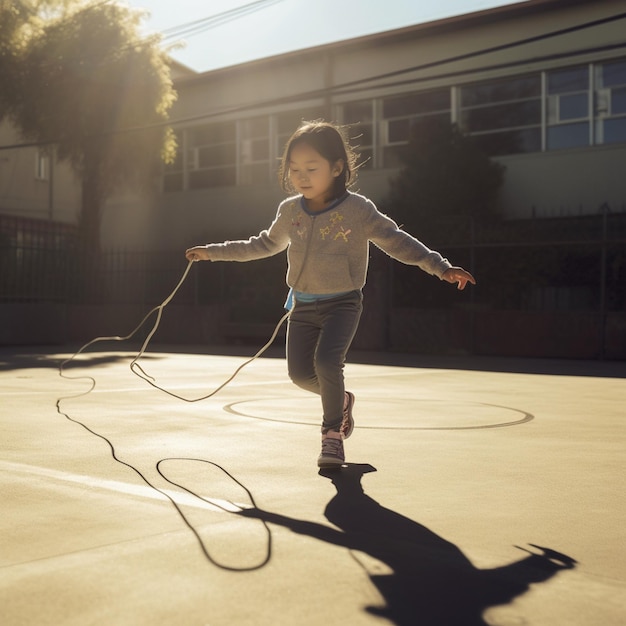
{"x":296,"y":225}
{"x":343,"y":234}
{"x":334,"y":230}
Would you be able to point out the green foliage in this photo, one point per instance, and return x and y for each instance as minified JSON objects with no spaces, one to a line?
{"x":15,"y":27}
{"x":446,"y":179}
{"x":77,"y":75}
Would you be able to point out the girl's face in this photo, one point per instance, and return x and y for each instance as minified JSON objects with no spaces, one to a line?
{"x":312,"y":175}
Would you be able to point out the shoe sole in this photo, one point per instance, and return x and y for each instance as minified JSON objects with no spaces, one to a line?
{"x":329,"y":463}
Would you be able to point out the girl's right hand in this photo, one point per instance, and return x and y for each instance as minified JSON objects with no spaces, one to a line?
{"x":197,"y":253}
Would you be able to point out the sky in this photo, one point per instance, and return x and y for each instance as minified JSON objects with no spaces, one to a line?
{"x":221,"y":33}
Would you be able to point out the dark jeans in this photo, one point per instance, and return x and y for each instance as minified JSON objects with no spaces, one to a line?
{"x":318,"y":337}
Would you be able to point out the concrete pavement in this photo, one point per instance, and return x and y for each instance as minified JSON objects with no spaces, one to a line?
{"x":478,"y":491}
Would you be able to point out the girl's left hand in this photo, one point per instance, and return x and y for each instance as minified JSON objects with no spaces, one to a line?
{"x":458,"y":275}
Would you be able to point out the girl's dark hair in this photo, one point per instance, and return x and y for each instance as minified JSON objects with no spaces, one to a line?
{"x":332,"y":144}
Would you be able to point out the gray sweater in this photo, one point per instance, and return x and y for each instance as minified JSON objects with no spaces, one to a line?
{"x":328,"y":252}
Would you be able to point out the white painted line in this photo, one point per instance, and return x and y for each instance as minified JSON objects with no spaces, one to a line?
{"x":142,"y":491}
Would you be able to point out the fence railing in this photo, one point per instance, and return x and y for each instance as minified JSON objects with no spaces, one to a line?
{"x":551,"y":264}
{"x":551,"y":287}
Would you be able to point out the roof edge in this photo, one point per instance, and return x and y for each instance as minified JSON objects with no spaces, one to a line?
{"x":447,"y":24}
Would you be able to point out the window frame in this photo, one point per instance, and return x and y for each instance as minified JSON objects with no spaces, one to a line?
{"x":280,"y":124}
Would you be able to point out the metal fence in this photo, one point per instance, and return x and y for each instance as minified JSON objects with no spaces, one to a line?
{"x":551,"y":264}
{"x":557,"y":264}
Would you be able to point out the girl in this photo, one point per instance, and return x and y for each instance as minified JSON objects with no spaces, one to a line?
{"x":326,"y":230}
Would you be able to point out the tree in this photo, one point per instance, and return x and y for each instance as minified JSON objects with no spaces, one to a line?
{"x":445,"y":176}
{"x":78,"y":75}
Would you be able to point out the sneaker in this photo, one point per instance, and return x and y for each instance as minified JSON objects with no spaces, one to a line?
{"x":332,"y":450}
{"x":347,"y":424}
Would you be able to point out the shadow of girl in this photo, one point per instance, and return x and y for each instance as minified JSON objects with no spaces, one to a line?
{"x":431,"y":581}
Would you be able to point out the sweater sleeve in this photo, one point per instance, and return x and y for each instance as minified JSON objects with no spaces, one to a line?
{"x":267,"y":243}
{"x":400,"y":245}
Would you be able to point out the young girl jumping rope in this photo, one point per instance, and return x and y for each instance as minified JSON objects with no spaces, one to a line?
{"x":326,"y":230}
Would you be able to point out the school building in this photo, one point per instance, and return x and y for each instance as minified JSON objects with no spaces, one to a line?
{"x":541,"y":85}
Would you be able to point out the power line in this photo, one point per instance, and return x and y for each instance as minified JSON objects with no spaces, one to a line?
{"x":176,"y":33}
{"x":358,"y":85}
{"x":199,"y":26}
{"x":495,"y":66}
{"x":499,"y":48}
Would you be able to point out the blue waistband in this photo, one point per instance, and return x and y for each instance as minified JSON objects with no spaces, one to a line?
{"x":309,"y":297}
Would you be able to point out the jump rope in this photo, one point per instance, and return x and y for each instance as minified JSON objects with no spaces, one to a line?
{"x":141,"y":373}
{"x":136,"y":369}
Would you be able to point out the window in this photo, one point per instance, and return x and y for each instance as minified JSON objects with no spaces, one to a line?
{"x":289,"y":121}
{"x":359,"y":117}
{"x":610,"y":102}
{"x":254,"y":151}
{"x":401,"y":113}
{"x":567,"y":108}
{"x":42,"y":165}
{"x":212,"y":155}
{"x":503,"y":116}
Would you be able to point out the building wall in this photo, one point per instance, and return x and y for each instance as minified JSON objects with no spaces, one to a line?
{"x":347,"y":82}
{"x":325,"y":82}
{"x":568,"y":182}
{"x":30,"y":187}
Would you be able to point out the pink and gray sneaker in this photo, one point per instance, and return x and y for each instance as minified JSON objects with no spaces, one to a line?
{"x":347,"y":423}
{"x":332,"y":454}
